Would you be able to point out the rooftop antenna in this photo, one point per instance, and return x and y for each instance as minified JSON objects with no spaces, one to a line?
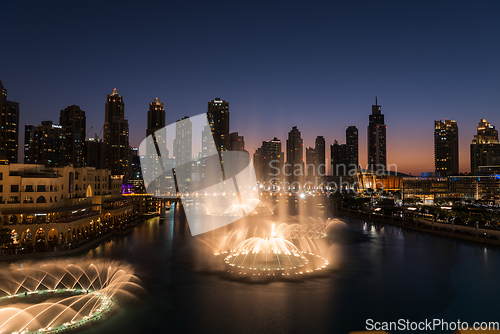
{"x":376,"y":101}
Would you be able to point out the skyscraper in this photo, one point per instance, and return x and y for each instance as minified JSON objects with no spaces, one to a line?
{"x":155,"y":122}
{"x":29,"y":133}
{"x":320,"y":155}
{"x":116,"y":136}
{"x":94,"y":153}
{"x":485,"y":147}
{"x":377,"y":156}
{"x":73,"y":120}
{"x":311,"y":162}
{"x":295,"y":156}
{"x":156,"y":117}
{"x":9,"y":126}
{"x":446,"y":147}
{"x":344,"y":157}
{"x":351,"y":138}
{"x":48,"y":146}
{"x":218,"y":118}
{"x":315,"y":161}
{"x":183,"y":149}
{"x":266,"y":157}
{"x":338,"y":157}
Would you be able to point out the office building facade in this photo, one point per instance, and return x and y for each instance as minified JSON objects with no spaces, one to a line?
{"x":446,"y":147}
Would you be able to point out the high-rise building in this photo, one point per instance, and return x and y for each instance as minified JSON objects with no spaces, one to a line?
{"x":29,"y":133}
{"x":311,"y":161}
{"x":155,"y":122}
{"x":206,"y":139}
{"x":339,"y":160}
{"x":344,"y":157}
{"x":116,"y":136}
{"x":446,"y":147}
{"x":9,"y":127}
{"x":218,"y":118}
{"x":266,"y":159}
{"x":315,"y":161}
{"x":156,"y":117}
{"x":485,"y":147}
{"x":183,"y":149}
{"x":73,"y":120}
{"x":48,"y":146}
{"x":295,"y":156}
{"x":136,"y":164}
{"x":94,"y":153}
{"x":351,"y":138}
{"x":377,"y":155}
{"x":320,"y":155}
{"x":236,"y":142}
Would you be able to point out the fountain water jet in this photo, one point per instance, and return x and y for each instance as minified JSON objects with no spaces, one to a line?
{"x":60,"y":295}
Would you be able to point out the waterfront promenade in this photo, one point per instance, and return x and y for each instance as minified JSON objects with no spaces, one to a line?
{"x":76,"y":249}
{"x":469,"y":233}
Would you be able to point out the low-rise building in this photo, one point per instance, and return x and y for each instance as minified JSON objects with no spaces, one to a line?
{"x":60,"y":205}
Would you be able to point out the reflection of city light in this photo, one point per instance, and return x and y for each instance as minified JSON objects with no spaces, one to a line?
{"x":412,"y":209}
{"x":446,"y":207}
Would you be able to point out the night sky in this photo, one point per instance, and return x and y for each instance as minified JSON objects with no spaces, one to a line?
{"x":315,"y":65}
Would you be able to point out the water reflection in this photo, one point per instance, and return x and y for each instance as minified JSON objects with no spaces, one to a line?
{"x":390,"y":274}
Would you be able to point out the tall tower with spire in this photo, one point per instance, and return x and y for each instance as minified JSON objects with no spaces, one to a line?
{"x":377,"y":153}
{"x":116,"y":136}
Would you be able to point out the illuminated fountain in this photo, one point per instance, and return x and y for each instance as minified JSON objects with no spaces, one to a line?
{"x":266,"y":254}
{"x":248,"y":208}
{"x":236,"y":210}
{"x":301,"y":231}
{"x":260,"y":257}
{"x":260,"y":208}
{"x":59,"y":295}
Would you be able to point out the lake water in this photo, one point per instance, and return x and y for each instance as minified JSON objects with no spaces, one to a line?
{"x":394,"y":274}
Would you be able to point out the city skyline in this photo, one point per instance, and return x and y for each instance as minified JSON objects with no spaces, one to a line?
{"x":465,"y":165}
{"x":276,"y":68}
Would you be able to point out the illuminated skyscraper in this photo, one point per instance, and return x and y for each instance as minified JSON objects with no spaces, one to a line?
{"x":48,"y":146}
{"x":183,"y":149}
{"x":9,"y":127}
{"x":344,"y":157}
{"x":116,"y":136}
{"x":377,"y":155}
{"x":446,"y":147}
{"x":315,"y":161}
{"x":155,"y":122}
{"x":73,"y":120}
{"x":351,"y":138}
{"x":320,"y":155}
{"x":156,"y":117}
{"x":218,"y":118}
{"x":266,"y":159}
{"x":338,"y":156}
{"x":295,"y":156}
{"x":29,"y":133}
{"x":485,"y":147}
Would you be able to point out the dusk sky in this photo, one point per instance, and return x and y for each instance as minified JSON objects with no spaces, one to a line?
{"x":315,"y":65}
